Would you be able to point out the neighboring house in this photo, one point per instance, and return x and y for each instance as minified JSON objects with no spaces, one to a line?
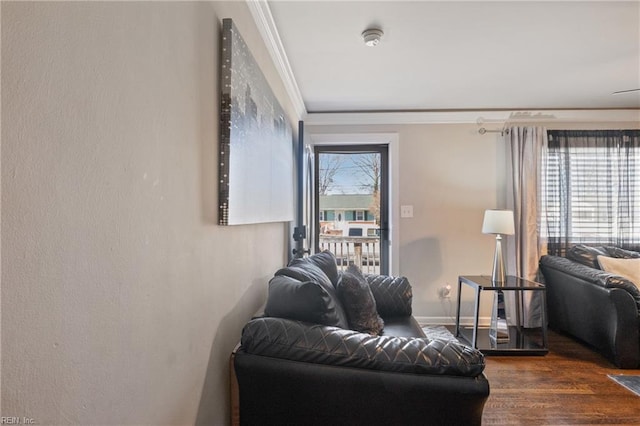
{"x":347,"y":214}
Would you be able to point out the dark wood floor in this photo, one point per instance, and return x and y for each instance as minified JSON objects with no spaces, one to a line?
{"x":568,"y":386}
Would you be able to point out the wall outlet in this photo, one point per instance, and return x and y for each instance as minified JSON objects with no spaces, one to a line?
{"x":406,"y":211}
{"x":444,"y":292}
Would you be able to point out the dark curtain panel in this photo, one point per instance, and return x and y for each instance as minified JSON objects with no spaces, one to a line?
{"x":591,"y":189}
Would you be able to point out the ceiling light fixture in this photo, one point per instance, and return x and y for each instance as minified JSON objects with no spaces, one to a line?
{"x":372,"y":36}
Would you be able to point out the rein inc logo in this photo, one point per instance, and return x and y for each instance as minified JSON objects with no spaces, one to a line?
{"x":17,"y":421}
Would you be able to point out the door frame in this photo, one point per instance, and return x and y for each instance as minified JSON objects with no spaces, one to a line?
{"x":393,"y":190}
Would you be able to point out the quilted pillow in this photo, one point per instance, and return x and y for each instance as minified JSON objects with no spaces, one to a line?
{"x":303,"y":301}
{"x":627,"y":268}
{"x":586,"y":255}
{"x":358,"y":302}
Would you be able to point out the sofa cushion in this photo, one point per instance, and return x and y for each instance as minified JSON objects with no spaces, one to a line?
{"x":586,"y":255}
{"x":358,"y":302}
{"x":622,"y":253}
{"x":627,"y":268}
{"x":299,"y":341}
{"x":402,"y":327}
{"x":307,"y":271}
{"x":325,"y":260}
{"x":305,"y":301}
{"x":393,"y":295}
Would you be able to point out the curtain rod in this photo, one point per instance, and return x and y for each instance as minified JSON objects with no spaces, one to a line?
{"x":482,"y":131}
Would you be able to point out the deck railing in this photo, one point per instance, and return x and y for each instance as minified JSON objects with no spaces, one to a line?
{"x":361,"y":251}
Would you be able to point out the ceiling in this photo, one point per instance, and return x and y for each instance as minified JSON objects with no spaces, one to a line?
{"x":453,"y":55}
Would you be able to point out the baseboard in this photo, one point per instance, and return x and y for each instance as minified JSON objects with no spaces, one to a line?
{"x":466,"y":321}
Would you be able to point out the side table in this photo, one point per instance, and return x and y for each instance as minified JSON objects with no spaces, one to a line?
{"x":523,"y":339}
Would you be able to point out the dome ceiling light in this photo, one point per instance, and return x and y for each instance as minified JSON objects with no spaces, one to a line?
{"x":372,"y":36}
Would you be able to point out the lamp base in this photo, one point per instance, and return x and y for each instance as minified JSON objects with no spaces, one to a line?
{"x":498,"y":275}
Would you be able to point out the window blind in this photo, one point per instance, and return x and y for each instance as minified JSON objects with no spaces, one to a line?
{"x":591,"y":189}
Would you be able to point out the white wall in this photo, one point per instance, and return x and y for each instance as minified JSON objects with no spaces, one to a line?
{"x":450,"y":174}
{"x":121,"y":297}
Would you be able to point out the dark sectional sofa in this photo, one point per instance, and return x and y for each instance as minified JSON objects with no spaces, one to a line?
{"x":300,"y":363}
{"x":600,"y":308}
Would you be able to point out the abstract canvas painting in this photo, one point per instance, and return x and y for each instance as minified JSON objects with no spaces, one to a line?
{"x":256,"y":145}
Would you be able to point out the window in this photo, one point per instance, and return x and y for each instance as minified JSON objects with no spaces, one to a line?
{"x":359,"y":215}
{"x":591,"y":189}
{"x":322,"y":215}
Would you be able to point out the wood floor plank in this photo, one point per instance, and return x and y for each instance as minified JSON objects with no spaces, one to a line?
{"x":568,"y":386}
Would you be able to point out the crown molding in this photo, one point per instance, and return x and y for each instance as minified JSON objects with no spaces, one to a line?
{"x":473,"y":117}
{"x":267,"y":27}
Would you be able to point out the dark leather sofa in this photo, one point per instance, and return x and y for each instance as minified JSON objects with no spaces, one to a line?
{"x":294,"y":372}
{"x":594,"y":306}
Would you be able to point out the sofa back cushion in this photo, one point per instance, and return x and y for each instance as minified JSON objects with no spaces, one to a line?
{"x":358,"y":302}
{"x":298,"y":341}
{"x":393,"y":295}
{"x":304,"y":272}
{"x":586,"y":255}
{"x":619,"y":253}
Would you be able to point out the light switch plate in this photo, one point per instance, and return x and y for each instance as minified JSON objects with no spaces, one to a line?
{"x":406,"y":211}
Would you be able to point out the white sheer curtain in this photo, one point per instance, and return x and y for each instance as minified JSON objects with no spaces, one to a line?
{"x":525,"y":152}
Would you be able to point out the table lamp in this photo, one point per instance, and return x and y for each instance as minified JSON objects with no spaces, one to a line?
{"x":498,"y":222}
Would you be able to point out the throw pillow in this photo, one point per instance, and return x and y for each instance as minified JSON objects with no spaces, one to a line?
{"x":325,"y":260}
{"x":307,"y":271}
{"x":358,"y":302}
{"x":627,"y":268}
{"x":303,"y":301}
{"x":586,"y":255}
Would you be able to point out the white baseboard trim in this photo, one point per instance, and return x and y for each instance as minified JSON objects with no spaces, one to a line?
{"x":466,"y":321}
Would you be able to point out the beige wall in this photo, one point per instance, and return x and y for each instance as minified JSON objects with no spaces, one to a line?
{"x":450,"y":174}
{"x":121,"y":297}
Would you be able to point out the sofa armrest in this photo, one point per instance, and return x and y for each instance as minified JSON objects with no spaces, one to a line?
{"x":320,"y":344}
{"x":592,"y":275}
{"x":604,"y":316}
{"x":393,"y":295}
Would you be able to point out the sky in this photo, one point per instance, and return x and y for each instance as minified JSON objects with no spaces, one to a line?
{"x":349,"y":178}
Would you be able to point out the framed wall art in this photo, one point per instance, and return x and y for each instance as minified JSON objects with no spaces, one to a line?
{"x":256,"y":146}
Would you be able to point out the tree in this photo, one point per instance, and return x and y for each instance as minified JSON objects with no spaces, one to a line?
{"x":329,"y":165}
{"x":370,"y":167}
{"x":375,"y":207}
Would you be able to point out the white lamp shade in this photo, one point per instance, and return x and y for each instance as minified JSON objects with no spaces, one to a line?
{"x":498,"y":222}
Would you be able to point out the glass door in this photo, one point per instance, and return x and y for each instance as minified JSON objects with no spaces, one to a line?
{"x":351,"y":205}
